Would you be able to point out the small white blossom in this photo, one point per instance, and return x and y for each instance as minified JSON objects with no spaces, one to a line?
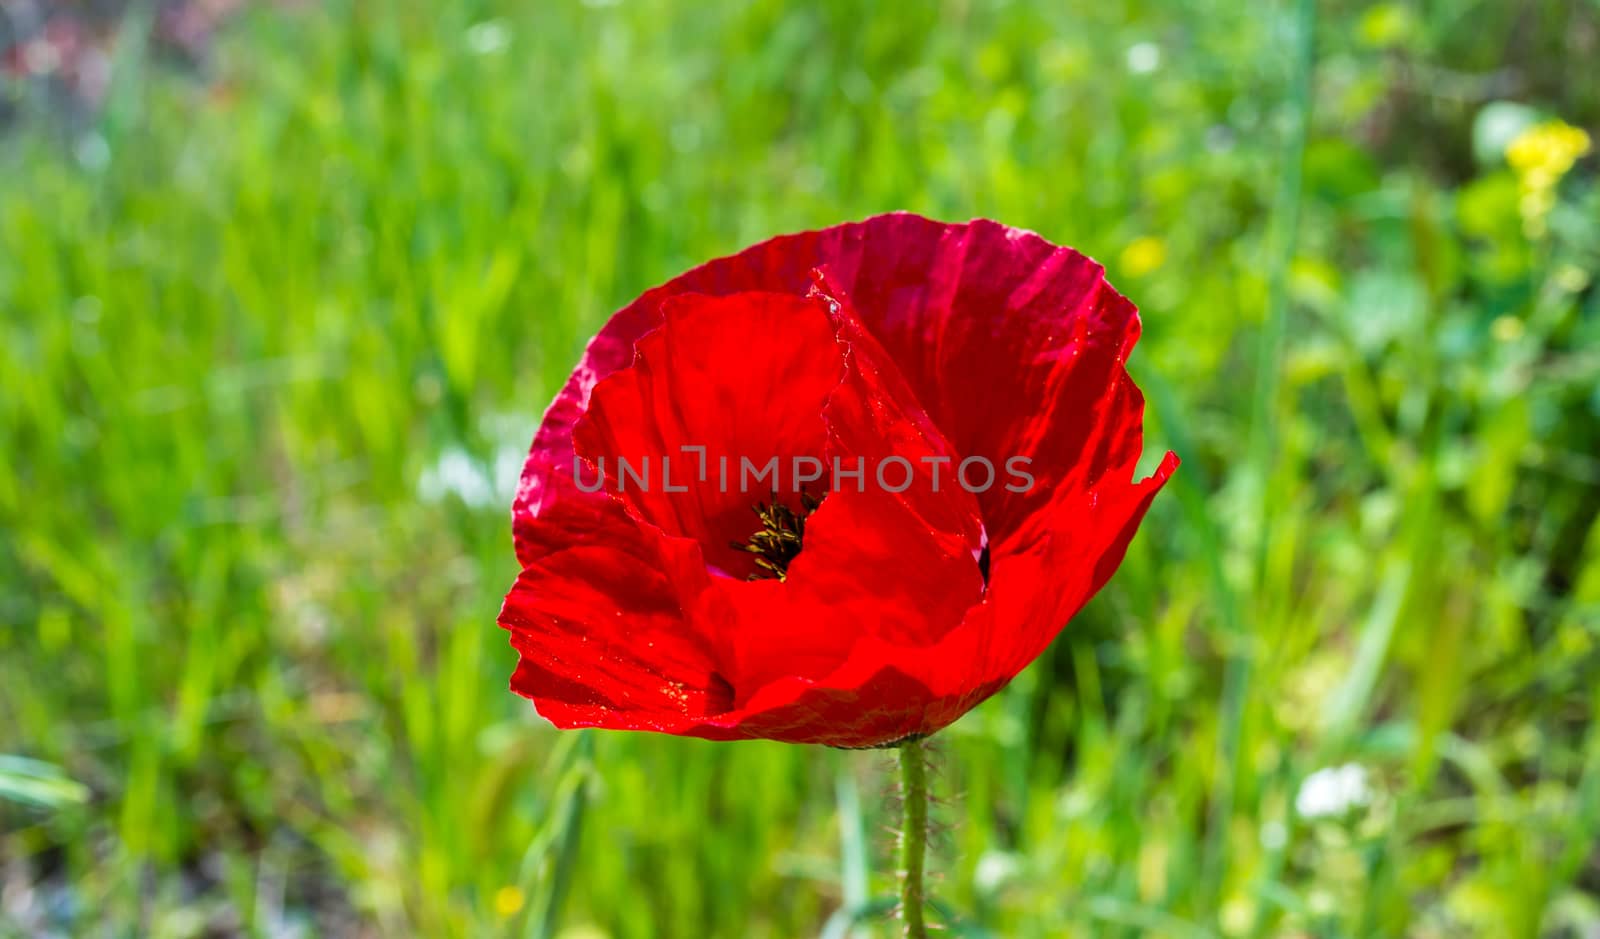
{"x":473,"y":481}
{"x":1144,"y":58}
{"x":1333,"y":791}
{"x":489,"y":37}
{"x":994,"y":870}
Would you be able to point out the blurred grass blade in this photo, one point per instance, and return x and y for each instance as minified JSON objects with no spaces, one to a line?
{"x":1584,"y":830}
{"x":853,"y":872}
{"x":1266,"y":408}
{"x":840,"y":923}
{"x":951,"y":923}
{"x":36,"y":783}
{"x":1349,"y":702}
{"x":556,"y":856}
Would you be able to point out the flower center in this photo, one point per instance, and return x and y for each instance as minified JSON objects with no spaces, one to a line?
{"x":779,"y":539}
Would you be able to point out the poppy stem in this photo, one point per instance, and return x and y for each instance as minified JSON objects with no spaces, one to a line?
{"x":913,"y":836}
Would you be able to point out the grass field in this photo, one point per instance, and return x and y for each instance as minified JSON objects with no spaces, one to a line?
{"x":275,"y":330}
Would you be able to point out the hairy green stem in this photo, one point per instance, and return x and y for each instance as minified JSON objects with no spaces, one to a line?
{"x":913,"y":836}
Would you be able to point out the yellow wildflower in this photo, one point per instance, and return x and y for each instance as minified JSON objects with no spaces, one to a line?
{"x":1143,"y":255}
{"x":508,"y":901}
{"x":1540,"y":156}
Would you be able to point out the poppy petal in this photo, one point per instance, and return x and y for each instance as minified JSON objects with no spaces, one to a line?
{"x":604,"y":598}
{"x":724,"y":385}
{"x":1015,"y":346}
{"x":866,"y":703}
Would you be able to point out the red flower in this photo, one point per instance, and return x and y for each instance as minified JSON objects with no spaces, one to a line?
{"x":664,"y":589}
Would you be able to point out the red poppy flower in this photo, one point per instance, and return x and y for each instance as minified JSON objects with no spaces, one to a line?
{"x":837,"y":488}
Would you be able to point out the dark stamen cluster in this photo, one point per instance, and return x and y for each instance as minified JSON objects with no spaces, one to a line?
{"x":779,"y":540}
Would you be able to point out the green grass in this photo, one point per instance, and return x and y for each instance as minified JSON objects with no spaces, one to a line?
{"x":249,"y":672}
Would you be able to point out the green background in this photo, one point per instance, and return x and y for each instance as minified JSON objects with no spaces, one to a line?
{"x":275,"y":329}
